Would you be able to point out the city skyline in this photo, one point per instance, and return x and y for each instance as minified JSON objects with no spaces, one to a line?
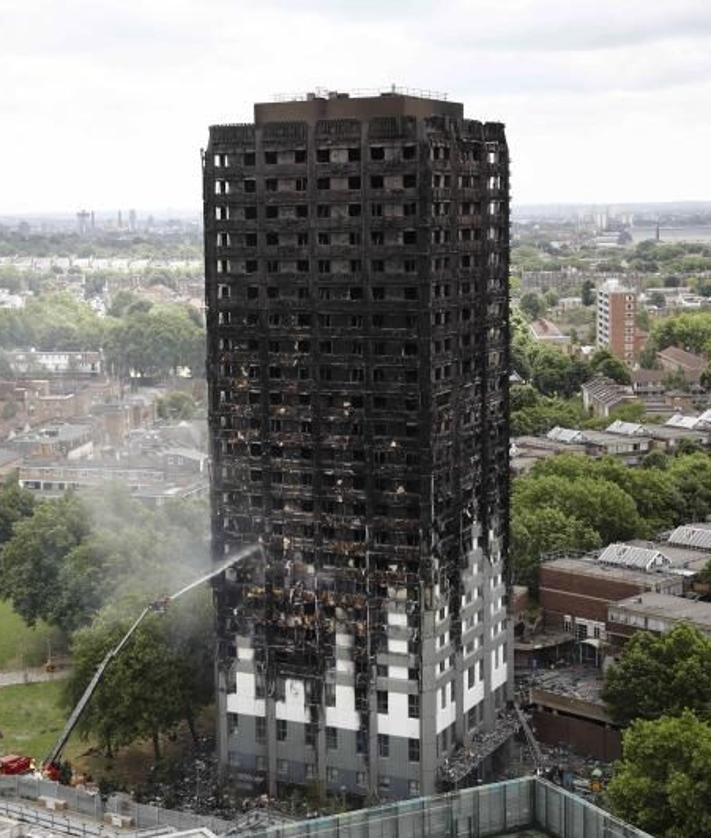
{"x":597,"y":93}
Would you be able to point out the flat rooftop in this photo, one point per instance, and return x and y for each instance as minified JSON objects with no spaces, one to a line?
{"x":335,"y":104}
{"x":594,"y":568}
{"x":668,"y":607}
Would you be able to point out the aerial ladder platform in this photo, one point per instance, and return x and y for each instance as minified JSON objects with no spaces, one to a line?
{"x":51,"y":764}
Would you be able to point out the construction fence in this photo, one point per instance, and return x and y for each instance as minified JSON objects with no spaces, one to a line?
{"x":142,"y":817}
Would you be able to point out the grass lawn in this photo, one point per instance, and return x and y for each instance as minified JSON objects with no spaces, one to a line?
{"x":31,"y":718}
{"x":23,"y":646}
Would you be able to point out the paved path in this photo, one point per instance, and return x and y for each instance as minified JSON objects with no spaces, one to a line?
{"x":31,"y":675}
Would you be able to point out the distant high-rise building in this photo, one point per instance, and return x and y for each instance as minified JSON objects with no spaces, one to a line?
{"x":119,"y":220}
{"x":358,"y":359}
{"x":82,"y":222}
{"x":617,"y":321}
{"x":132,"y":220}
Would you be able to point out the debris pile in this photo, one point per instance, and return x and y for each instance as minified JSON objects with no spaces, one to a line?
{"x":484,"y":743}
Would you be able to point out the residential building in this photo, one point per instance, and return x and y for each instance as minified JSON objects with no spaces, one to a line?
{"x":57,"y":362}
{"x":617,"y":321}
{"x":357,"y":315}
{"x":688,"y":364}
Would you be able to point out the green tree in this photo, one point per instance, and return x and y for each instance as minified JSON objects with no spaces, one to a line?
{"x":587,"y":294}
{"x":34,"y":556}
{"x":661,"y":675}
{"x":15,"y":504}
{"x":176,"y":406}
{"x":532,"y":305}
{"x":161,"y":677}
{"x":535,"y":532}
{"x":705,"y":379}
{"x":606,"y":364}
{"x":663,"y":783}
{"x":656,"y":298}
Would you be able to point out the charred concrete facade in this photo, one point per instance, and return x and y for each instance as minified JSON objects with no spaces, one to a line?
{"x":357,"y":307}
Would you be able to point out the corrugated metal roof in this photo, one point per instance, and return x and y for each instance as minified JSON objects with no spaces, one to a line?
{"x":565,"y":434}
{"x":626,"y":428}
{"x":678,"y":420}
{"x":690,"y":536}
{"x":626,"y":555}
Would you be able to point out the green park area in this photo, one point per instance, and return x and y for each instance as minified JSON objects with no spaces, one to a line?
{"x":31,"y":718}
{"x":22,"y":646}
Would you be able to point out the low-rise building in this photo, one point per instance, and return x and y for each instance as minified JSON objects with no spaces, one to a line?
{"x":71,"y":441}
{"x":602,"y":395}
{"x":152,"y":485}
{"x":547,"y":333}
{"x":675,"y":360}
{"x":656,"y":612}
{"x":575,"y":592}
{"x":56,"y":362}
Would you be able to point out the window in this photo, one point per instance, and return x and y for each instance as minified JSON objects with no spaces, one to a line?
{"x":250,"y":158}
{"x":354,"y":210}
{"x":270,"y":158}
{"x":383,"y":745}
{"x":300,"y":184}
{"x":332,"y":774}
{"x":323,"y":211}
{"x":354,"y":155}
{"x":250,"y":185}
{"x":283,"y":766}
{"x":324,"y":238}
{"x":354,"y":182}
{"x":413,"y":788}
{"x":323,"y":155}
{"x":330,"y":694}
{"x":409,"y":152}
{"x":377,"y":152}
{"x":281,"y":729}
{"x":270,"y":184}
{"x":413,"y":750}
{"x":300,"y":155}
{"x":382,"y":701}
{"x":331,"y":738}
{"x":260,"y":730}
{"x":377,"y":181}
{"x":360,"y":778}
{"x":323,"y":183}
{"x":310,"y":735}
{"x":471,"y":677}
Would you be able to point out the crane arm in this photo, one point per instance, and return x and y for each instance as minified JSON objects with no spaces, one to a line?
{"x":158,"y":606}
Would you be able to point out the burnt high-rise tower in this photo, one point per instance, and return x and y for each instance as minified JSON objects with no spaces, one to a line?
{"x":356,"y":254}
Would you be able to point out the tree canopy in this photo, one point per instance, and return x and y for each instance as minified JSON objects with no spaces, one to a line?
{"x":661,"y":675}
{"x":163,"y":677}
{"x":663,"y":783}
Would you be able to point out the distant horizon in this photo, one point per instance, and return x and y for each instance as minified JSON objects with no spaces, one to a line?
{"x":185,"y":212}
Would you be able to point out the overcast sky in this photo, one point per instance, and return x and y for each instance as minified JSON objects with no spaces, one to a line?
{"x":106,"y":104}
